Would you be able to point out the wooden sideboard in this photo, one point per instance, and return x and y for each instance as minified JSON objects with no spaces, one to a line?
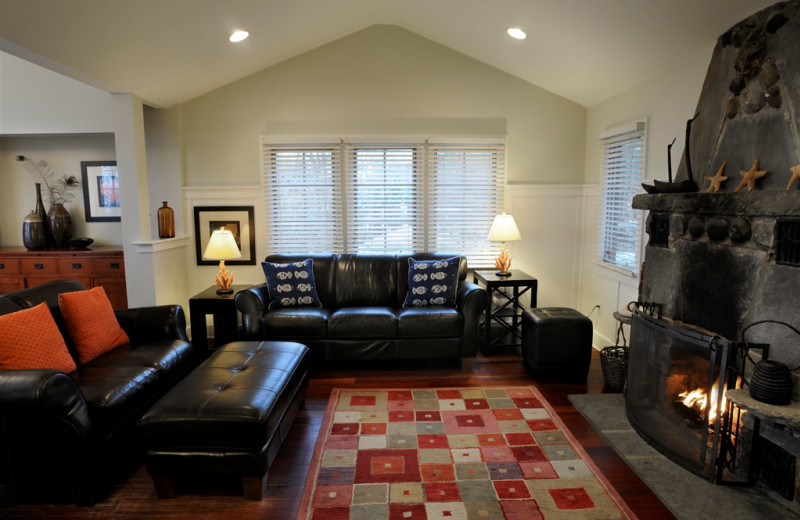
{"x":100,"y":266}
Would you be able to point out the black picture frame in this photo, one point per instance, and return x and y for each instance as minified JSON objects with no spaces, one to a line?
{"x":101,"y":200}
{"x":238,"y":219}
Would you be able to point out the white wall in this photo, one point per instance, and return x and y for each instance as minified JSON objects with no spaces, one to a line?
{"x":666,"y":102}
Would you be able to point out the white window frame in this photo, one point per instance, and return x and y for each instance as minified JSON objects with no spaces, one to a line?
{"x":623,"y":169}
{"x":471,"y":202}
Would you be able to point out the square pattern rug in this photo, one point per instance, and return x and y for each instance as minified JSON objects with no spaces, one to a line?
{"x":451,"y":454}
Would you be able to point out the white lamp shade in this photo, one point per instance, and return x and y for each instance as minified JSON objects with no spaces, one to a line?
{"x":504,"y":229}
{"x":222,"y":246}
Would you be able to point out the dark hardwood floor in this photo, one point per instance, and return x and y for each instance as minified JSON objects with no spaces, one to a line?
{"x":214,"y":498}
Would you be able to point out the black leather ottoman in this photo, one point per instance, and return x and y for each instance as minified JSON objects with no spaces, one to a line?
{"x":557,"y":342}
{"x":229,"y":416}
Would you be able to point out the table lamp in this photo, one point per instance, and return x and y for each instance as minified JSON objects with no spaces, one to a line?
{"x":504,"y":229}
{"x":222,"y":246}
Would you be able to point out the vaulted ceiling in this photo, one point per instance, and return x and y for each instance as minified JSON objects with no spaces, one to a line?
{"x":170,"y":51}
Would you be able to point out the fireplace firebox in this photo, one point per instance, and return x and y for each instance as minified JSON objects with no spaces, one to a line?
{"x":675,"y":394}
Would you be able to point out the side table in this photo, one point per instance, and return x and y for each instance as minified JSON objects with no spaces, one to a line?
{"x":226,"y":319}
{"x":504,"y":309}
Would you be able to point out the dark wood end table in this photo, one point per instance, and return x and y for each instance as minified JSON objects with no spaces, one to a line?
{"x":504,"y":309}
{"x":226,"y":319}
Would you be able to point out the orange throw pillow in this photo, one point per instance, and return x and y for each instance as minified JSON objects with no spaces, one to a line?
{"x":30,"y":339}
{"x":91,"y":323}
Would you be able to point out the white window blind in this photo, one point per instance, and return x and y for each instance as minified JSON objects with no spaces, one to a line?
{"x":303,"y":195}
{"x":466,"y":185}
{"x":384,"y":197}
{"x":382,"y":201}
{"x":623,"y":165}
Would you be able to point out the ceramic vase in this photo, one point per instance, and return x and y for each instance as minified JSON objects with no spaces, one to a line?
{"x":33,"y":236}
{"x":39,"y":210}
{"x":59,"y":223}
{"x":166,"y":221}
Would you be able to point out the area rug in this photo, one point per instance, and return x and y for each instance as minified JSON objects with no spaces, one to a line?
{"x":452,"y":454}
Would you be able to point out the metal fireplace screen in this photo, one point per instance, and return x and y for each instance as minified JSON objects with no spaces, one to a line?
{"x":677,"y":378}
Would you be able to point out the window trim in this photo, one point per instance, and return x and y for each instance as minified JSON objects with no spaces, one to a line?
{"x":609,"y":137}
{"x":426,"y":147}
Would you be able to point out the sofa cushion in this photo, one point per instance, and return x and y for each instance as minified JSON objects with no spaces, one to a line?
{"x":432,"y":282}
{"x":116,"y":391}
{"x":365,"y":280}
{"x":31,"y":340}
{"x":430,"y":322}
{"x":8,"y":306}
{"x":401,"y":268}
{"x":91,"y":323}
{"x":291,"y":284}
{"x":168,"y":357}
{"x":299,"y":321}
{"x":48,"y":293}
{"x":324,"y":268}
{"x":363,"y":322}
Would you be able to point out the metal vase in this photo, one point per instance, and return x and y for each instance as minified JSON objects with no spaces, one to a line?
{"x":43,"y":214}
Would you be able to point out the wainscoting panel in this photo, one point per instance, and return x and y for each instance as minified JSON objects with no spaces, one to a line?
{"x":551,"y":220}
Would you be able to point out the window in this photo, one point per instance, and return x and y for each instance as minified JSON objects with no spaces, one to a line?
{"x":384,"y":197}
{"x":623,"y":165}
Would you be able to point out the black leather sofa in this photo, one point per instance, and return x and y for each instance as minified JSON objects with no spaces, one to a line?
{"x":362,"y":315}
{"x":68,"y":435}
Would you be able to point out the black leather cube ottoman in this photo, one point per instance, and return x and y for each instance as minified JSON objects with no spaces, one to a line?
{"x":557,"y":342}
{"x":229,"y":416}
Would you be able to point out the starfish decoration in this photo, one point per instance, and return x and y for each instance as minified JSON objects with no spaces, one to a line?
{"x":795,"y":176}
{"x":750,"y":177}
{"x":717,"y":179}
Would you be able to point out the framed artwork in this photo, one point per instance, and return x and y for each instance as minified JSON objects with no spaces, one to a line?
{"x":239,"y":220}
{"x":100,"y":191}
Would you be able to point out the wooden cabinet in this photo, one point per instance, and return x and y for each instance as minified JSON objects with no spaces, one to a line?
{"x":96,"y":267}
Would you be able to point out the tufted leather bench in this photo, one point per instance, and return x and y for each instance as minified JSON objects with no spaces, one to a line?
{"x":229,"y":416}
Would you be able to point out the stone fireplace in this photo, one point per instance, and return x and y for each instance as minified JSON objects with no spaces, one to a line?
{"x":728,"y":261}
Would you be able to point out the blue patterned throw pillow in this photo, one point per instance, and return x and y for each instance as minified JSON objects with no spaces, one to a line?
{"x":432,"y":282}
{"x":291,"y":285}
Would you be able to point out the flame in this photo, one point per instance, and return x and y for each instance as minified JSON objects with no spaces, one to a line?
{"x":698,"y":399}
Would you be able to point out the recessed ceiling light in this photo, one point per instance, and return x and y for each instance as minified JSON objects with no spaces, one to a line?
{"x":238,"y":35}
{"x":517,"y":33}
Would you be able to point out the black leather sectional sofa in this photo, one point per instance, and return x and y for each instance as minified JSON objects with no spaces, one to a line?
{"x":362,"y":315}
{"x":69,"y":432}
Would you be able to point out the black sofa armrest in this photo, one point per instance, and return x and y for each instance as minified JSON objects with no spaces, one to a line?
{"x":253,"y":303}
{"x":33,"y":398}
{"x":149,"y":323}
{"x":471,"y":300}
{"x":46,"y":432}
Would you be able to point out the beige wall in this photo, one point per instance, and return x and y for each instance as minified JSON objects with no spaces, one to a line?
{"x":64,"y":153}
{"x":387,"y":80}
{"x":382,"y":80}
{"x":381,"y":74}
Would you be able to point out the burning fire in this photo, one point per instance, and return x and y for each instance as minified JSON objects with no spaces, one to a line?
{"x":697,"y":399}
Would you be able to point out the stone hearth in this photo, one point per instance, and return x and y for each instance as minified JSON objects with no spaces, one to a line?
{"x":718,"y":267}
